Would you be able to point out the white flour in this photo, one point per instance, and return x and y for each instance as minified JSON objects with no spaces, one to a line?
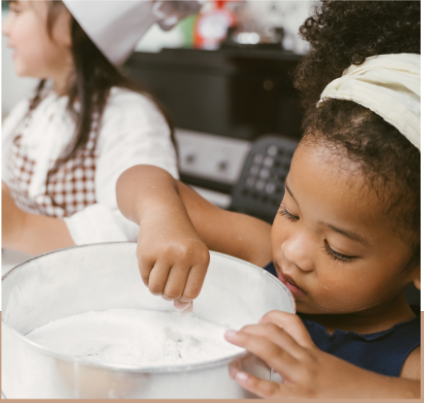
{"x":135,"y":337}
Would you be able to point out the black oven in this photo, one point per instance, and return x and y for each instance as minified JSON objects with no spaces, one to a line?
{"x":221,"y":102}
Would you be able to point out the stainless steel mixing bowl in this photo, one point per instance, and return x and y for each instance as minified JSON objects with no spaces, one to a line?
{"x":105,"y":276}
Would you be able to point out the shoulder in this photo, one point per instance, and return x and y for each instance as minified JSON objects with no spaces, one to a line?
{"x":132,"y":116}
{"x":131,"y":103}
{"x":410,"y":332}
{"x":412,"y":366}
{"x":134,"y":131}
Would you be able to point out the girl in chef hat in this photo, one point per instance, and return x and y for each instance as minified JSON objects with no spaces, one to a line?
{"x":65,"y":146}
{"x":346,"y":239}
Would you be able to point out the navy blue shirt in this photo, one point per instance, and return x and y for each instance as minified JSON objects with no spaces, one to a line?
{"x":382,"y":352}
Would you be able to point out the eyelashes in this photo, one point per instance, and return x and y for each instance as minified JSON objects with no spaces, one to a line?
{"x":335,"y":255}
{"x":286,"y":214}
{"x":330,"y":252}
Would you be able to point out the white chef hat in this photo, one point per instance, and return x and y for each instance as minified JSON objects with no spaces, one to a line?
{"x":389,"y":85}
{"x":115,"y":26}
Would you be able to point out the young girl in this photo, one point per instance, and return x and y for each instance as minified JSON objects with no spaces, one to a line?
{"x":346,"y":239}
{"x":65,"y":147}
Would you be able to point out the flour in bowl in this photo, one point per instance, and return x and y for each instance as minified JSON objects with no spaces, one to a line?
{"x":135,"y":338}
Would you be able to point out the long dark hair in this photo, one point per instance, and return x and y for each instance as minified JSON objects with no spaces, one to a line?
{"x":90,"y":84}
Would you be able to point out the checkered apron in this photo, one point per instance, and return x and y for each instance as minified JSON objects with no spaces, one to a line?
{"x":70,"y":189}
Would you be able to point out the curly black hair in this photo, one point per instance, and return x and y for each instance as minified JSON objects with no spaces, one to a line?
{"x":342,"y":33}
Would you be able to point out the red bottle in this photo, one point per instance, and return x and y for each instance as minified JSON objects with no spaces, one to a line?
{"x":211,"y":26}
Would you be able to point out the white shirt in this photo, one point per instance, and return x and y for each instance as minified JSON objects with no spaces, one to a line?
{"x":133,"y":131}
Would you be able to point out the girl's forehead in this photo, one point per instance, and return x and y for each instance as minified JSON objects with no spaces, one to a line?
{"x":329,"y":165}
{"x":328,"y":182}
{"x":332,"y":187}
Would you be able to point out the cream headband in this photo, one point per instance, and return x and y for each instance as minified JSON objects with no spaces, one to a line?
{"x":389,"y":85}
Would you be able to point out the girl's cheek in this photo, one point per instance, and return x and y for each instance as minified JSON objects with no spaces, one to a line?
{"x":19,"y":34}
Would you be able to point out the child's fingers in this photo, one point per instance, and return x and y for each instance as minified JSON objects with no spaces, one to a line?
{"x":277,"y":358}
{"x":185,"y":309}
{"x":234,"y":367}
{"x":278,"y":336}
{"x":292,"y":324}
{"x":145,"y":266}
{"x":261,"y":387}
{"x":158,"y":277}
{"x":176,"y":282}
{"x":194,"y":283}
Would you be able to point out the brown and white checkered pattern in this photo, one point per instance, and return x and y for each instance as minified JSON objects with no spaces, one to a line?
{"x":70,"y":189}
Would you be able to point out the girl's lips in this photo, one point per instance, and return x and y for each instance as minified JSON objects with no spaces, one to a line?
{"x":290,"y":284}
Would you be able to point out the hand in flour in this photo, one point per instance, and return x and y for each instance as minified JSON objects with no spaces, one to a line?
{"x":282,"y":341}
{"x":172,"y":259}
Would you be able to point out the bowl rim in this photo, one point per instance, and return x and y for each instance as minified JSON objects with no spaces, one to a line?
{"x":116,"y":367}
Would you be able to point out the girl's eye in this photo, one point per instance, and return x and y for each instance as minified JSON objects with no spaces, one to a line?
{"x":288,"y":215}
{"x":335,"y":255}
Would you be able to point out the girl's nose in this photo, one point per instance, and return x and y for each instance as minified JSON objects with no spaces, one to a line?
{"x":297,"y":250}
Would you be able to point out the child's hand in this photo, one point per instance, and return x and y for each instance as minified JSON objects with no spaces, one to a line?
{"x":283,"y":342}
{"x":172,"y":259}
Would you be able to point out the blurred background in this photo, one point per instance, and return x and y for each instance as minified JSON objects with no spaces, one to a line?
{"x":256,"y":16}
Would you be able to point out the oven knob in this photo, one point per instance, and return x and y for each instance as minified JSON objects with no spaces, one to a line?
{"x":220,"y":163}
{"x":189,"y":158}
{"x":222,"y":166}
{"x":188,"y":155}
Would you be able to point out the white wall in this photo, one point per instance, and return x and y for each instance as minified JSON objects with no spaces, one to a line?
{"x":13,"y":87}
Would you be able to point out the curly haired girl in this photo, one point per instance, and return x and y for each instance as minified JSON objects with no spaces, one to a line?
{"x":346,"y":239}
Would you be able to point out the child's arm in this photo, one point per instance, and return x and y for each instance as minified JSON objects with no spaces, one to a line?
{"x":177,"y":227}
{"x":283,"y":342}
{"x":31,"y":233}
